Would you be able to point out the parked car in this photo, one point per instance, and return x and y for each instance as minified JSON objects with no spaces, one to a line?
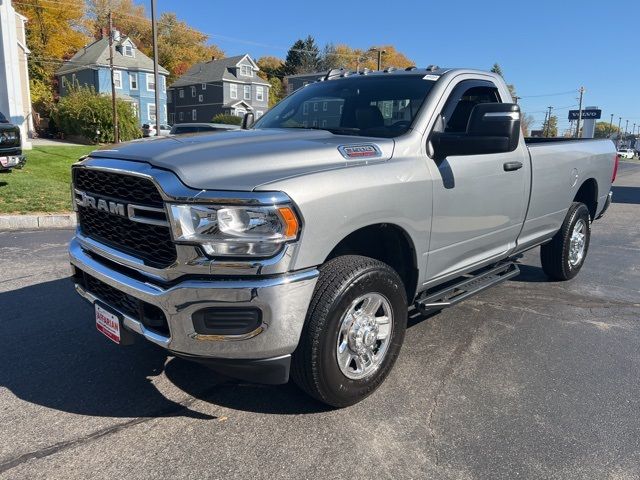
{"x":297,"y":245}
{"x":149,"y":130}
{"x":10,"y":146}
{"x":182,"y":128}
{"x":626,"y":153}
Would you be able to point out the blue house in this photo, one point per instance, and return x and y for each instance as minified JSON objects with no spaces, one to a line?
{"x":133,"y":75}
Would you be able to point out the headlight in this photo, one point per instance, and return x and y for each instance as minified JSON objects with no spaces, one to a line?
{"x":234,"y":230}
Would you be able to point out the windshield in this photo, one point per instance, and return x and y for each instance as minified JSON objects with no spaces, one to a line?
{"x":373,"y":106}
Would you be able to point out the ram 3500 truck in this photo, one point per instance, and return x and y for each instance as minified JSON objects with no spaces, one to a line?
{"x":298,"y":244}
{"x":10,"y":146}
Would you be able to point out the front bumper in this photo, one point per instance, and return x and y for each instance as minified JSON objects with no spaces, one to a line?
{"x":282,"y":299}
{"x":12,"y":161}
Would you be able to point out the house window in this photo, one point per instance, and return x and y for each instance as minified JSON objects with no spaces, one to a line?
{"x":133,"y":81}
{"x":324,"y":106}
{"x":203,"y":86}
{"x":117,"y":78}
{"x":200,"y":98}
{"x":315,"y":106}
{"x":247,"y":92}
{"x":194,"y":114}
{"x":260,"y":94}
{"x":246,"y":70}
{"x":74,"y":80}
{"x":172,"y":118}
{"x":341,"y":109}
{"x":240,"y":113}
{"x":170,"y":96}
{"x":181,"y":116}
{"x":181,"y":93}
{"x":324,"y":123}
{"x":151,"y":111}
{"x":193,"y":92}
{"x":305,"y":108}
{"x":128,"y":50}
{"x":315,"y":123}
{"x":134,"y":107}
{"x":151,"y":83}
{"x":233,"y":90}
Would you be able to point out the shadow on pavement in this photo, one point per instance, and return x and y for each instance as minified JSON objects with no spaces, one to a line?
{"x":51,"y":355}
{"x":626,"y":195}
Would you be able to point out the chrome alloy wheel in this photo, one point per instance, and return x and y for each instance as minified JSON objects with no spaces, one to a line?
{"x":577,"y":243}
{"x":364,"y":336}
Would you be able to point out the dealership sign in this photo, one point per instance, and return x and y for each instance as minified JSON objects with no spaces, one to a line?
{"x":586,"y":114}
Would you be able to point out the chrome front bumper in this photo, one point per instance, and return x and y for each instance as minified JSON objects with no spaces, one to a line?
{"x":282,"y":299}
{"x":12,"y":161}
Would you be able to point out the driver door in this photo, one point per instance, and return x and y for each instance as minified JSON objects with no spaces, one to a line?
{"x":478,"y":207}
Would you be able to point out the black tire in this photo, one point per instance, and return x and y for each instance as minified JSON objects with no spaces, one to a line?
{"x":554,"y":255}
{"x":342,"y":280}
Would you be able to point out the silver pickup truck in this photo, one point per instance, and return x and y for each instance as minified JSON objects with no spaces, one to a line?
{"x":296,"y":245}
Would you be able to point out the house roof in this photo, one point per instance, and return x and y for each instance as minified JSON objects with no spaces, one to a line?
{"x":216,"y":71}
{"x":96,"y":54}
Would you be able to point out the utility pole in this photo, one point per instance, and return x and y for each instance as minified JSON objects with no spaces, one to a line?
{"x":611,"y":125}
{"x":156,"y":78}
{"x":549,"y":122}
{"x":579,"y":112}
{"x":516,"y":98}
{"x":544,"y":125}
{"x":626,"y":128}
{"x":380,"y":52}
{"x":116,"y":128}
{"x":619,"y":131}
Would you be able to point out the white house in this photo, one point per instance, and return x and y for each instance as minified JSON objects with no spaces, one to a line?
{"x":15,"y":97}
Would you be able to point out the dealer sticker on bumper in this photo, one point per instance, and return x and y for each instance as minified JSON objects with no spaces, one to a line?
{"x":108,"y":324}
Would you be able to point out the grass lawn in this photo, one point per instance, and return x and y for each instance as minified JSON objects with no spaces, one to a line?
{"x":43,"y":185}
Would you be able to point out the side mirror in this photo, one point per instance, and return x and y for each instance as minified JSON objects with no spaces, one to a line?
{"x":492,"y":128}
{"x":247,"y":120}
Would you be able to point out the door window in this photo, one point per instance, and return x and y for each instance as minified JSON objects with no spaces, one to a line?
{"x":458,"y":109}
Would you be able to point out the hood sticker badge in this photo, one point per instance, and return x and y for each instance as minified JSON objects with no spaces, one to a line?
{"x":361,"y":150}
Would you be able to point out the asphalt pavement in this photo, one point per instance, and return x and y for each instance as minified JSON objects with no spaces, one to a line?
{"x":530,"y":379}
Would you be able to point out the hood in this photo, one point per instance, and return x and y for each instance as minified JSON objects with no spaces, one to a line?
{"x":245,"y":159}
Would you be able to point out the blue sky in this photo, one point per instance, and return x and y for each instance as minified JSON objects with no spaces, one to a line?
{"x":544,"y":47}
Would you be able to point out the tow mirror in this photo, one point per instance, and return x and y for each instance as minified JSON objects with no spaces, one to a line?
{"x":247,"y":120}
{"x":492,"y":128}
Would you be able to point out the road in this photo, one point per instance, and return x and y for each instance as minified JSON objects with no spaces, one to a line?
{"x":530,"y":379}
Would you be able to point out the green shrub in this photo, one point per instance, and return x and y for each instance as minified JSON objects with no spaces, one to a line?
{"x":227,"y":119}
{"x":89,"y":114}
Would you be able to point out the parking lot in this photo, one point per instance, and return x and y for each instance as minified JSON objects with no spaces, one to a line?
{"x":531,"y":379}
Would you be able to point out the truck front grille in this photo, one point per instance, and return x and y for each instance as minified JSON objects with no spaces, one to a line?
{"x":150,"y":243}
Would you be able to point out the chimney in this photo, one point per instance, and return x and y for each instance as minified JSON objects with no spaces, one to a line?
{"x":116,"y":35}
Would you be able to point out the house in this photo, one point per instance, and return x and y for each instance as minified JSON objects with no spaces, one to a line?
{"x":133,"y":75}
{"x":228,"y":86}
{"x":15,"y":96}
{"x":294,"y":82}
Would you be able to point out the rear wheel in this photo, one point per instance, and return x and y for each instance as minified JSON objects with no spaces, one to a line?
{"x":563,"y":257}
{"x":354,"y":330}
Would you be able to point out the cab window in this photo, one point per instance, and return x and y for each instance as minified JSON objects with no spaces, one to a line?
{"x":458,"y":111}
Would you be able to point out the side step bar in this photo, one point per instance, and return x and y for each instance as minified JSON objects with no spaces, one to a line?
{"x":469,"y":285}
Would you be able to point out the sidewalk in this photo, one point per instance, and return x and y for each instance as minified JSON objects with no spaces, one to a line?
{"x":51,"y":142}
{"x":37,"y":221}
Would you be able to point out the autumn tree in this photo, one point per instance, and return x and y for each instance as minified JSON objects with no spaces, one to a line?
{"x":606,"y":130}
{"x":54,"y":33}
{"x":269,"y":67}
{"x":180,"y":46}
{"x":128,"y":17}
{"x":526,"y":121}
{"x":550,"y":128}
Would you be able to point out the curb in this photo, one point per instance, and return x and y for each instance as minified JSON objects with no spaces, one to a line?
{"x":37,"y":222}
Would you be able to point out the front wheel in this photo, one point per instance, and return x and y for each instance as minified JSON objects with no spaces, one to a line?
{"x":563,"y":257}
{"x":354,"y":330}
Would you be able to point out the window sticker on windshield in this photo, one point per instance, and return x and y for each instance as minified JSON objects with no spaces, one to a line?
{"x":431,"y":77}
{"x":368,"y":150}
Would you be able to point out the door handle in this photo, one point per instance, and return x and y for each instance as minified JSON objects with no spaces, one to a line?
{"x":512,"y":166}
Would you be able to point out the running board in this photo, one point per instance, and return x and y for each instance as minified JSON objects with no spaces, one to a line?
{"x":467,"y":287}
